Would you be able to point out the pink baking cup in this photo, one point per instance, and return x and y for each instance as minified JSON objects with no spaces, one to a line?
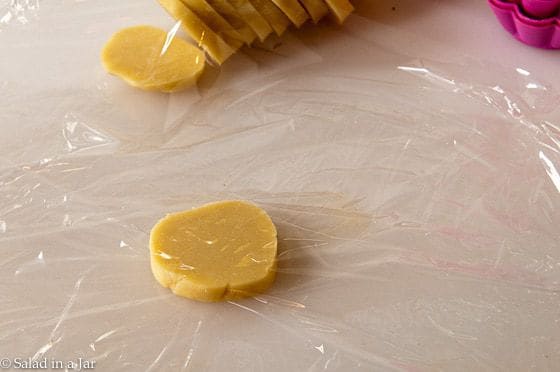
{"x":530,"y":29}
{"x":540,"y":8}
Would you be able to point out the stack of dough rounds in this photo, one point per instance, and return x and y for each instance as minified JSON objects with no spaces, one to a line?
{"x":219,"y":27}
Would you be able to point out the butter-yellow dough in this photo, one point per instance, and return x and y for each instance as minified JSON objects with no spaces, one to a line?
{"x":234,"y":18}
{"x":341,"y":9}
{"x":252,"y":17}
{"x":219,"y":251}
{"x":316,"y":9}
{"x":211,"y":42}
{"x":293,"y":10}
{"x":147,"y":57}
{"x":216,"y":22}
{"x":274,"y":16}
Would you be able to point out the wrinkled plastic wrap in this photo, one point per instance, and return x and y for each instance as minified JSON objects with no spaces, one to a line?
{"x":410,"y":160}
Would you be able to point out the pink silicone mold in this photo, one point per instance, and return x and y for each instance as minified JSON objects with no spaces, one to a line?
{"x":540,"y":8}
{"x":533,"y":22}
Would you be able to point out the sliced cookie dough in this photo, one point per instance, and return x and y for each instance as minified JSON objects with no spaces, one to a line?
{"x":274,"y":16}
{"x":149,"y":58}
{"x":293,"y":10}
{"x":230,"y":14}
{"x":341,"y":9}
{"x":216,"y":22}
{"x":220,"y":251}
{"x":252,"y":17}
{"x":316,"y":9}
{"x":211,"y":42}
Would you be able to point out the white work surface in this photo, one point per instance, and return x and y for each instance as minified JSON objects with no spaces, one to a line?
{"x":409,"y":160}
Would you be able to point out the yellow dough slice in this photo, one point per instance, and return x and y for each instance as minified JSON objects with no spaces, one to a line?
{"x":213,"y":44}
{"x":341,"y":9}
{"x":216,"y":22}
{"x":274,"y":16}
{"x":252,"y":17}
{"x":316,"y":9}
{"x":219,"y":251}
{"x":231,"y":15}
{"x":147,"y":57}
{"x":293,"y":10}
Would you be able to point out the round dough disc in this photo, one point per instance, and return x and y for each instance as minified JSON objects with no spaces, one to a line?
{"x":148,"y":58}
{"x":219,"y":251}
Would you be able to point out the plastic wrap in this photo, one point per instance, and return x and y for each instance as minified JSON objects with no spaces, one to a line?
{"x":410,"y":160}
